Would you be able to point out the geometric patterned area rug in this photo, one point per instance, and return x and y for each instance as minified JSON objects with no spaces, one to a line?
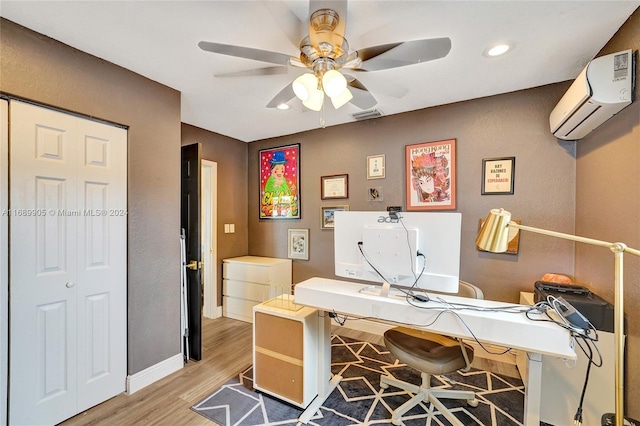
{"x":359,"y":400}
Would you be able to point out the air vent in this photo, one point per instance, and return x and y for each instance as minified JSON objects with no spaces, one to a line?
{"x":365,"y":115}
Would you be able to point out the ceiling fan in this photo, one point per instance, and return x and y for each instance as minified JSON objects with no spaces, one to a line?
{"x":325,"y":51}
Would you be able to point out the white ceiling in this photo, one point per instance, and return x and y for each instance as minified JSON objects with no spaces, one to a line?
{"x":552,"y":42}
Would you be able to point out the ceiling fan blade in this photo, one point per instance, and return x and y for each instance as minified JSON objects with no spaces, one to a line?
{"x":287,"y":21}
{"x":255,"y":72}
{"x":362,"y":97}
{"x":392,"y":90}
{"x":400,"y":54}
{"x":284,"y":96}
{"x":245,"y":52}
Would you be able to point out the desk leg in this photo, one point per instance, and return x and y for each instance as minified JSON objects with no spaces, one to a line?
{"x":533,"y":390}
{"x":326,"y":383}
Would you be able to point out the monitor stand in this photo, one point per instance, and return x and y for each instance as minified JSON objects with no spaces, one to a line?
{"x":384,"y":290}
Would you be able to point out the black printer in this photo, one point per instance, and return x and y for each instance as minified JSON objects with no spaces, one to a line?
{"x":597,"y":310}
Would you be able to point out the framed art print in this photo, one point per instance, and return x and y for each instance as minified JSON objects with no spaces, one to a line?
{"x":375,"y":167}
{"x":298,"y":244}
{"x":431,"y":175}
{"x":280,"y":182}
{"x":498,"y":175}
{"x":334,"y":186}
{"x":328,"y":215}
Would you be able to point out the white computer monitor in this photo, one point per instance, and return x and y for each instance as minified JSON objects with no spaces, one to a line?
{"x":399,"y":248}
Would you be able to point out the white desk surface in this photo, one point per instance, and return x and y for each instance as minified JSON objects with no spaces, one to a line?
{"x":512,"y":330}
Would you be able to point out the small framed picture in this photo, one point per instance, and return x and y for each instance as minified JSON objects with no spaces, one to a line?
{"x":374,"y":194}
{"x":498,"y":175}
{"x":375,"y":167}
{"x":298,"y":244}
{"x":328,"y":214}
{"x":334,"y":187}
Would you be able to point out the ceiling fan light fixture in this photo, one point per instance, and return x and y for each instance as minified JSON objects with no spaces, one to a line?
{"x":333,"y":83}
{"x":315,"y":100}
{"x":304,"y":86}
{"x":342,"y":98}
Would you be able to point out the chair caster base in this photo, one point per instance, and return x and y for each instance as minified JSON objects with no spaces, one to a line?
{"x":473,"y":402}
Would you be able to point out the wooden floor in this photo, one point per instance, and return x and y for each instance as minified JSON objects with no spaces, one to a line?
{"x":226,"y":346}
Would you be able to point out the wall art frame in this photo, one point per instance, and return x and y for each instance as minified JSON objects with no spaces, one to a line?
{"x":334,"y":187}
{"x":431,"y":175}
{"x":327,"y":214}
{"x":298,"y":244}
{"x":280,"y":182}
{"x":498,"y":176}
{"x":375,"y":167}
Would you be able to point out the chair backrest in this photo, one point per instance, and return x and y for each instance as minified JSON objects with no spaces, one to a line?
{"x":466,"y":289}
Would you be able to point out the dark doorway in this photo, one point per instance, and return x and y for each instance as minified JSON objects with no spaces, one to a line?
{"x":190,"y":222}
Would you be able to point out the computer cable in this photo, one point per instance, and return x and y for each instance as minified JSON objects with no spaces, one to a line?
{"x":577,"y":419}
{"x":409,"y":294}
{"x":441,"y":311}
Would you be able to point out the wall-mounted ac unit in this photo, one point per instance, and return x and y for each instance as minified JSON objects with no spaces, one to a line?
{"x":602,"y":89}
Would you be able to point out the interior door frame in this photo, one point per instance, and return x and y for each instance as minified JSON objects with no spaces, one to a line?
{"x":209,"y":238}
{"x":4,"y":259}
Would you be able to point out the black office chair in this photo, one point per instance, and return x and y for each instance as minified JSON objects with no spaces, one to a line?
{"x":430,"y":354}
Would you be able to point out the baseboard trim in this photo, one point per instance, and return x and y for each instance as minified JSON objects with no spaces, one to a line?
{"x":154,"y":373}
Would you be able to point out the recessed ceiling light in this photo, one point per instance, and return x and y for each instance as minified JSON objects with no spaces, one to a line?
{"x":282,"y":106}
{"x":497,"y":50}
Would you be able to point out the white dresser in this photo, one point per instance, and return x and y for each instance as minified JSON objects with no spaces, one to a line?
{"x":249,"y":280}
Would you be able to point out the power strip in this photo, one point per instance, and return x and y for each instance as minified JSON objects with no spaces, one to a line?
{"x":572,"y":315}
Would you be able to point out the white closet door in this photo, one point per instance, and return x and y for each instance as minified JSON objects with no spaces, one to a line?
{"x":101,"y":241}
{"x":68,"y":268}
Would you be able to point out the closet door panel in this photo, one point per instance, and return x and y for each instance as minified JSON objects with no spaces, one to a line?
{"x":102,"y":262}
{"x":43,"y":275}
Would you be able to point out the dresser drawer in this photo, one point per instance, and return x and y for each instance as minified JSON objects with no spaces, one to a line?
{"x":245,"y":290}
{"x":238,"y":309}
{"x":258,"y":270}
{"x":252,"y":273}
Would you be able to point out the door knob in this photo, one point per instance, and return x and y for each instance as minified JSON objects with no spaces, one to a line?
{"x":194,"y":265}
{"x":69,"y":284}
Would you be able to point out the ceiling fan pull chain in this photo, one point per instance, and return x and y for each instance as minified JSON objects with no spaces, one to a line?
{"x":323,"y":124}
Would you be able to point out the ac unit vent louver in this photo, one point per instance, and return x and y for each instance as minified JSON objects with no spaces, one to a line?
{"x":366,"y":115}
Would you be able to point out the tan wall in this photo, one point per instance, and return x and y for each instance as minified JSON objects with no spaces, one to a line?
{"x":608,"y":208}
{"x":43,"y":70}
{"x":514,"y":124}
{"x":231,"y":156}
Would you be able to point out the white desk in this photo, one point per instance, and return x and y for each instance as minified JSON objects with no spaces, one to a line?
{"x":504,"y":329}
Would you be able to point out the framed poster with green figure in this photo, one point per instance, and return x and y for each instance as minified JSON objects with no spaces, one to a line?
{"x":280,"y":182}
